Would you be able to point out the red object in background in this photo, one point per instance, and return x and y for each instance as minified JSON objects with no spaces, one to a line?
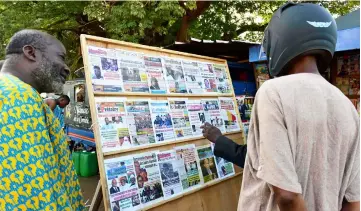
{"x":243,"y":76}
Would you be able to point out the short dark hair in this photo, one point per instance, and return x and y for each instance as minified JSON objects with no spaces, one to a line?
{"x":65,"y":97}
{"x":38,"y":39}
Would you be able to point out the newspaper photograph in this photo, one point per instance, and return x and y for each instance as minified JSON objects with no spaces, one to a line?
{"x":187,"y":155}
{"x":213,"y":114}
{"x":222,"y":79}
{"x":121,"y":181}
{"x":148,"y":177}
{"x":139,"y":122}
{"x":156,"y":80}
{"x":207,"y":163}
{"x":229,"y":115}
{"x":194,"y":80}
{"x":174,"y":76}
{"x":197,"y":116}
{"x":134,"y":74}
{"x":245,"y":104}
{"x":180,"y":117}
{"x":208,"y":77}
{"x":112,"y":124}
{"x":245,"y":130}
{"x":162,"y":120}
{"x":105,"y":74}
{"x":224,"y":167}
{"x":168,"y":166}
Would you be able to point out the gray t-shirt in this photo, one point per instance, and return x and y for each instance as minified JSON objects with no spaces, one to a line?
{"x":304,"y":137}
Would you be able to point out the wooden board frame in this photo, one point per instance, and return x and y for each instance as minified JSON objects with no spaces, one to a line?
{"x":182,"y":201}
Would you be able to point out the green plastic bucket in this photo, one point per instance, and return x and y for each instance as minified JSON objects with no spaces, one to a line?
{"x":88,"y":164}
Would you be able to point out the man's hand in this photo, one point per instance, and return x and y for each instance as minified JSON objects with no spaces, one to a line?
{"x":210,"y":132}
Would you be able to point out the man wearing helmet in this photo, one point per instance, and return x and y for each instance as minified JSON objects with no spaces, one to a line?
{"x":304,"y":138}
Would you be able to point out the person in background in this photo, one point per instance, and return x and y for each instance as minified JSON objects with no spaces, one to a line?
{"x":36,"y":147}
{"x":304,"y":134}
{"x":57,"y":106}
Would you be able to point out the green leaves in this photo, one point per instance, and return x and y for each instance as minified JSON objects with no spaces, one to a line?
{"x":147,"y":22}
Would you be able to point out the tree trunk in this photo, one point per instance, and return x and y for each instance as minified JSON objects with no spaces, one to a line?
{"x":189,"y":17}
{"x":182,"y":34}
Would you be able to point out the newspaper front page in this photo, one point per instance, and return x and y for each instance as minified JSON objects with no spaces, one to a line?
{"x":222,"y":80}
{"x":197,"y":116}
{"x":207,"y":163}
{"x":105,"y":73}
{"x":180,"y":118}
{"x":139,"y":122}
{"x":187,"y":154}
{"x":208,"y":76}
{"x":134,"y":74}
{"x":156,"y":79}
{"x":112,"y":123}
{"x":162,"y":120}
{"x":193,"y":77}
{"x":213,"y":114}
{"x":224,"y":167}
{"x":229,"y":115}
{"x":169,"y":171}
{"x":148,"y":177}
{"x":174,"y":75}
{"x":122,"y":187}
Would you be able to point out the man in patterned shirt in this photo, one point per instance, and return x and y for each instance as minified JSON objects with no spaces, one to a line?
{"x":36,"y":171}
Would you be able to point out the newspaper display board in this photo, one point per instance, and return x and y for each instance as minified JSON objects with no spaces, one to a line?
{"x":147,"y":146}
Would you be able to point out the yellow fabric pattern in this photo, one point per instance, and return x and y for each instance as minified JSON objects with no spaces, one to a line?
{"x":36,"y":170}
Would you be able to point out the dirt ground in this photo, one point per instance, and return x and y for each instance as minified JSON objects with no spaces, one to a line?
{"x":88,"y":186}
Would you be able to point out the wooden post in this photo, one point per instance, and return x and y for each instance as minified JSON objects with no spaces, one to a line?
{"x":97,"y":198}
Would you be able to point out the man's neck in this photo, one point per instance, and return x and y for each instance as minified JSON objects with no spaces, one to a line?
{"x":307,"y":64}
{"x":21,"y":73}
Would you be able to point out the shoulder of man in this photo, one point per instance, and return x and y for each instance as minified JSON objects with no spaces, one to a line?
{"x":269,"y":88}
{"x":17,"y":92}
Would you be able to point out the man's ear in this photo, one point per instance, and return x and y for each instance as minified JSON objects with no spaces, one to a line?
{"x":29,"y":52}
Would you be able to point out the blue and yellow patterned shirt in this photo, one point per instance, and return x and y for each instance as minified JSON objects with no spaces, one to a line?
{"x":36,"y":171}
{"x":59,"y":114}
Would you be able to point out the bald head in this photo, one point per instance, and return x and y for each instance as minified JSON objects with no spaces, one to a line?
{"x":38,"y":39}
{"x":38,"y":59}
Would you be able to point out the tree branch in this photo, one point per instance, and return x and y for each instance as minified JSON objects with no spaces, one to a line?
{"x":252,"y":27}
{"x":181,"y":3}
{"x":201,"y":7}
{"x":56,"y":22}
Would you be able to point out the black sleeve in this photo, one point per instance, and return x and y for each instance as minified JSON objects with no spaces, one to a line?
{"x":230,"y":151}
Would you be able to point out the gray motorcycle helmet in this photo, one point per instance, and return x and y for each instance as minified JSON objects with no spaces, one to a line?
{"x":297,"y":30}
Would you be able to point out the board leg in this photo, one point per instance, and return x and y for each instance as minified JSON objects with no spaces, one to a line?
{"x":97,"y":198}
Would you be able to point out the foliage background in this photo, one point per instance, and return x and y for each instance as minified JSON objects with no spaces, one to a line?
{"x":156,"y":23}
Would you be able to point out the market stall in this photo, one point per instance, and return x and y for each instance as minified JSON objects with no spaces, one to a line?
{"x":344,"y":71}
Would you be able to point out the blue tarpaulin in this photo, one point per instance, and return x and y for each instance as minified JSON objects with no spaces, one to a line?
{"x":348,"y":39}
